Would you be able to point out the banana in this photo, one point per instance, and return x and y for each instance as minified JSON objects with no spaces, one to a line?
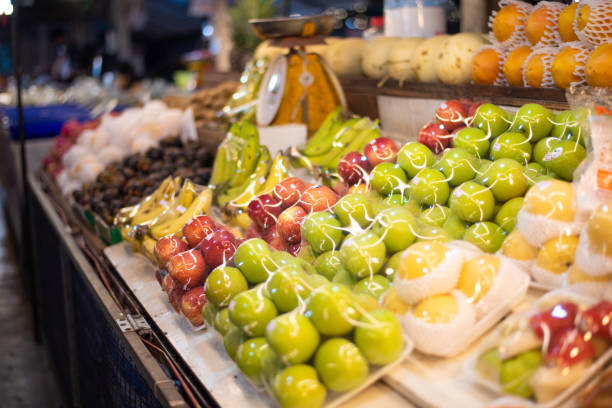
{"x":356,"y":144}
{"x":331,"y":121}
{"x":148,"y":248}
{"x":249,"y":188}
{"x":336,"y":131}
{"x":220,"y":171}
{"x":176,"y":206}
{"x":248,"y":159}
{"x":156,"y":203}
{"x":340,"y":144}
{"x":201,"y":204}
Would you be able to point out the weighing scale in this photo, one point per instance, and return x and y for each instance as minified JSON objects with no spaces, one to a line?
{"x":298,"y":87}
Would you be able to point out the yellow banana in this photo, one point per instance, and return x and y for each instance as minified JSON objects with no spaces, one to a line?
{"x":176,"y":206}
{"x":148,"y":248}
{"x":241,"y":195}
{"x":278,"y":172}
{"x":201,"y":204}
{"x":249,"y":157}
{"x":156,"y":203}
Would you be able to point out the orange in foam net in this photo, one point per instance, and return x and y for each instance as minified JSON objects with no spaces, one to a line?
{"x":599,"y":66}
{"x":566,"y":23}
{"x":508,"y":19}
{"x":485,"y":66}
{"x":513,"y":66}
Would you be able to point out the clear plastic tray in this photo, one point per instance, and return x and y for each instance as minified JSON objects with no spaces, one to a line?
{"x":493,"y":339}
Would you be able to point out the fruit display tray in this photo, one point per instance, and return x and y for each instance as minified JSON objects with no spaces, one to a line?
{"x":203,"y":351}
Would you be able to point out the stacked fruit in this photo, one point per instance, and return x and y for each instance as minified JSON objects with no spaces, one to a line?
{"x":292,"y":330}
{"x":70,"y":132}
{"x":543,"y":354}
{"x":335,"y":138}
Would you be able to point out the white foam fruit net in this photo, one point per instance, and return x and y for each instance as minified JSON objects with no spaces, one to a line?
{"x":500,"y":80}
{"x":547,"y":54}
{"x":551,"y":35}
{"x":598,"y":29}
{"x":518,"y":36}
{"x":579,"y":59}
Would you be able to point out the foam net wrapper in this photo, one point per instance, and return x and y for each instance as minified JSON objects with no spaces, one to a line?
{"x":551,"y":35}
{"x":518,"y":36}
{"x":598,"y":29}
{"x":500,"y":80}
{"x":580,"y":59}
{"x":548,"y":54}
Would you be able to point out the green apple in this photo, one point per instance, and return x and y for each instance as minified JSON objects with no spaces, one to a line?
{"x":375,"y":286}
{"x":252,"y":311}
{"x":282,"y":258}
{"x":367,"y":301}
{"x":343,"y":277}
{"x":254,"y":259}
{"x":491,"y":119}
{"x":222,"y":322}
{"x":257,"y":360}
{"x":379,"y":337}
{"x":533,"y":120}
{"x":396,"y":227}
{"x":390,"y":268}
{"x":223,"y":283}
{"x":472,"y":202}
{"x":414,"y":157}
{"x":458,"y":165}
{"x":395,"y":200}
{"x":511,"y":145}
{"x":429,"y":187}
{"x":567,"y":127}
{"x":560,"y":156}
{"x":506,"y":179}
{"x":331,"y":308}
{"x":506,"y":216}
{"x":533,"y":170}
{"x":328,"y":264}
{"x":232,"y":340}
{"x":354,"y":208}
{"x":487,"y":236}
{"x":435,"y":215}
{"x":432,"y":233}
{"x":363,"y":254}
{"x":288,"y":287}
{"x":473,"y":140}
{"x":454,"y":226}
{"x":293,"y":337}
{"x":298,"y":386}
{"x":209,"y":311}
{"x":388,"y":178}
{"x":482,"y":169}
{"x":322,"y":230}
{"x":341,"y":365}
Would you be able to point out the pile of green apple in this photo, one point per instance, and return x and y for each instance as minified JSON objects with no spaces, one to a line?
{"x":293,"y":331}
{"x":474,"y":190}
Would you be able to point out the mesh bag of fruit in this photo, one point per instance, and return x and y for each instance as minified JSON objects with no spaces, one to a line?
{"x":508,"y":24}
{"x":537,"y":69}
{"x":593,"y":22}
{"x":547,"y":353}
{"x":487,"y":66}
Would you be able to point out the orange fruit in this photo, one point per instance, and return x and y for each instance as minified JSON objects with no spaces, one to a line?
{"x":534,"y":71}
{"x":583,"y":17}
{"x":513,"y":67}
{"x":485,"y":67}
{"x":564,"y":67}
{"x":599,"y":66}
{"x":566,"y":23}
{"x":536,"y":24}
{"x":508,"y":18}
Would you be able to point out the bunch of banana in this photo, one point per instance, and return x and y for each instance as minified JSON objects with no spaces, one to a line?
{"x":335,"y":138}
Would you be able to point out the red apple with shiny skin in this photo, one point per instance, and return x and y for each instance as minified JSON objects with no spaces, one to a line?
{"x":353,"y":168}
{"x":218,"y":248}
{"x":168,"y":246}
{"x":568,"y":347}
{"x":168,"y":284}
{"x":175,"y":297}
{"x":192,"y":303}
{"x":289,"y":224}
{"x":264,"y":210}
{"x":289,"y":191}
{"x":597,"y":320}
{"x":197,"y":229}
{"x":187,"y":268}
{"x":473,"y":108}
{"x":318,"y":198}
{"x":435,"y":137}
{"x":560,"y":317}
{"x":273,"y":238}
{"x":451,"y":114}
{"x":380,"y":150}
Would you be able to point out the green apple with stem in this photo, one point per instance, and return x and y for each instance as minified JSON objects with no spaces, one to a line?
{"x":396,"y":199}
{"x":257,"y":360}
{"x":458,"y":165}
{"x":482,"y":168}
{"x":435,"y":215}
{"x":414,"y":157}
{"x":388,"y":178}
{"x":511,"y":145}
{"x":288,"y":287}
{"x":487,"y":236}
{"x":430,"y":187}
{"x":331,"y":308}
{"x":560,"y":156}
{"x":252,"y":311}
{"x":432,"y":233}
{"x":343,"y":277}
{"x":322,"y":230}
{"x":472,"y":202}
{"x":328,"y":264}
{"x":567,"y":127}
{"x":293,"y":337}
{"x":341,"y":365}
{"x":363,"y":254}
{"x":491,"y":119}
{"x":375,"y":286}
{"x":379,"y":337}
{"x":223,"y":283}
{"x":396,"y":227}
{"x":506,"y":216}
{"x":472,"y":140}
{"x":533,"y":120}
{"x":298,"y":386}
{"x":506,"y":179}
{"x":354,"y":208}
{"x":254,"y":259}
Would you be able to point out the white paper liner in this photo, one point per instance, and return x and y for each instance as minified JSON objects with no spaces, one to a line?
{"x":548,"y":278}
{"x":442,"y":280}
{"x":548,"y":54}
{"x":551,"y":35}
{"x":500,"y":80}
{"x":518,"y":36}
{"x":537,"y":229}
{"x":588,"y":260}
{"x":596,"y":290}
{"x":432,"y":337}
{"x":579,"y":60}
{"x":598,"y":29}
{"x":507,"y":280}
{"x":524,"y":265}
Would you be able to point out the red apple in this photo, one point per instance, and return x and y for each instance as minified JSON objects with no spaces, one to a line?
{"x":294,"y":249}
{"x":168,"y":246}
{"x":192,"y":303}
{"x":253,"y":232}
{"x":353,"y":168}
{"x":557,"y":318}
{"x":435,"y":137}
{"x":197,"y":228}
{"x":289,"y":191}
{"x":318,"y":198}
{"x":264,"y":210}
{"x":473,"y":108}
{"x":168,"y":284}
{"x":568,"y":347}
{"x":381,"y":150}
{"x":451,"y":114}
{"x":187,"y":268}
{"x":160,"y":274}
{"x":597,"y":319}
{"x":175,"y":297}
{"x":289,"y":223}
{"x":340,"y":188}
{"x":218,"y":248}
{"x":273,"y":238}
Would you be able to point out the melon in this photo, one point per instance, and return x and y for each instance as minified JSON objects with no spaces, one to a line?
{"x":426,"y":58}
{"x":375,"y":57}
{"x":401,"y":58}
{"x":455,"y":57}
